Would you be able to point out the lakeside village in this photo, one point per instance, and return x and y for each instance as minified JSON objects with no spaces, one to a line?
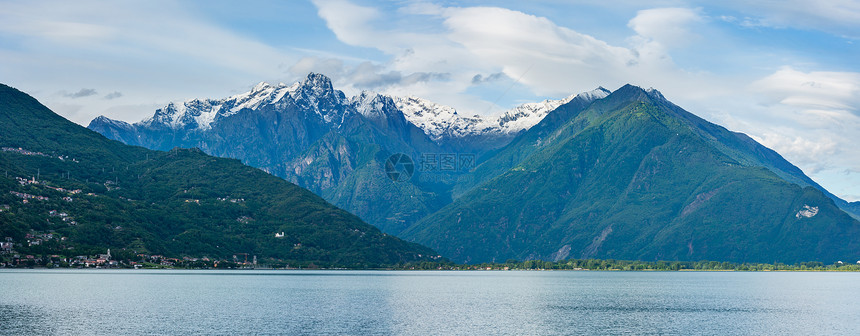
{"x":50,"y":249}
{"x":23,"y":151}
{"x":25,"y":253}
{"x":127,"y":259}
{"x":9,"y":258}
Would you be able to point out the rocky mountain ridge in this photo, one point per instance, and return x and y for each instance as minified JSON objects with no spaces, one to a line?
{"x":339,"y":148}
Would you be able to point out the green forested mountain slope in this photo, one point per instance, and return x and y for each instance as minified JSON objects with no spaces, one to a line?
{"x":177,"y":203}
{"x":629,"y":178}
{"x":629,"y":175}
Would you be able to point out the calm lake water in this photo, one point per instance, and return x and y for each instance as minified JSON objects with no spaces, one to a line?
{"x":173,"y":302}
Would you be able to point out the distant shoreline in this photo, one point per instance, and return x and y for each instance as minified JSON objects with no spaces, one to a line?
{"x":59,"y":269}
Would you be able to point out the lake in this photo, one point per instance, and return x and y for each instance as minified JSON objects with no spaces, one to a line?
{"x":172,"y":302}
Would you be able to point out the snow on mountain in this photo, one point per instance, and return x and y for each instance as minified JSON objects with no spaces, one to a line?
{"x":201,"y":113}
{"x":527,"y":115}
{"x":372,"y":105}
{"x":440,"y":121}
{"x":590,"y":96}
{"x":653,"y":93}
{"x":112,"y":123}
{"x":436,"y":120}
{"x":316,"y":93}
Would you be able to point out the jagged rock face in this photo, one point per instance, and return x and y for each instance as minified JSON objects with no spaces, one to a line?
{"x":308,"y":133}
{"x":264,"y":127}
{"x":312,"y":134}
{"x":148,"y":207}
{"x":555,"y":179}
{"x":114,"y":129}
{"x":316,"y":99}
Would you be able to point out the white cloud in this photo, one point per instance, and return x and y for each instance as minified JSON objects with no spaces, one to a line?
{"x":421,"y":8}
{"x":113,"y":95}
{"x":818,"y":92}
{"x":841,"y":17}
{"x":331,"y":67}
{"x":80,"y":93}
{"x":150,"y":51}
{"x":138,"y":32}
{"x":811,"y":118}
{"x":350,"y":22}
{"x":427,"y":64}
{"x":809,"y":151}
{"x":354,"y":77}
{"x":666,"y":26}
{"x":808,"y":117}
{"x":549,"y":59}
{"x":546,"y":57}
{"x":825,"y":156}
{"x":157,"y":51}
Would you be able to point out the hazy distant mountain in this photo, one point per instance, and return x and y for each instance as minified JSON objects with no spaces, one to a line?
{"x":64,"y":180}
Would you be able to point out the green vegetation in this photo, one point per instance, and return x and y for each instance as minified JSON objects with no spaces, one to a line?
{"x":629,"y":178}
{"x":633,"y":265}
{"x":347,"y":168}
{"x":68,"y":191}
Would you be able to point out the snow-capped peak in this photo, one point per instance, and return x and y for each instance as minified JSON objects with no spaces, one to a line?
{"x":440,"y":121}
{"x":262,"y":94}
{"x":590,"y":96}
{"x":318,"y":80}
{"x":317,"y":94}
{"x":372,"y":105}
{"x":260,"y":87}
{"x":201,"y":113}
{"x":527,"y":115}
{"x":316,"y":86}
{"x":653,"y":93}
{"x":102,"y":120}
{"x":436,"y":120}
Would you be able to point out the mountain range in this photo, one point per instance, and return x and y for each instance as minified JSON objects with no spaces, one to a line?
{"x":82,"y":194}
{"x":632,"y":176}
{"x":600,"y":174}
{"x":313,"y":135}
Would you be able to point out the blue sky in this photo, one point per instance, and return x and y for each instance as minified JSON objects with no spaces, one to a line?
{"x":784,"y":72}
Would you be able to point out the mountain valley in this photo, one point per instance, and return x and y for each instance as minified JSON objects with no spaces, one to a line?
{"x":623,"y":174}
